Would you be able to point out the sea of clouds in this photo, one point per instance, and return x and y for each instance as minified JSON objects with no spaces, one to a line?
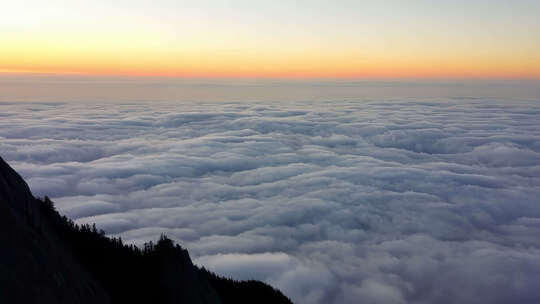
{"x":395,"y":201}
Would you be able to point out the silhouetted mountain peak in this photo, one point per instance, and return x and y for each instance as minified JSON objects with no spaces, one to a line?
{"x":35,"y":264}
{"x":47,"y":258}
{"x":17,"y":195}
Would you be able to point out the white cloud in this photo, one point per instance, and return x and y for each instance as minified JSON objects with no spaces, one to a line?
{"x":333,"y":202}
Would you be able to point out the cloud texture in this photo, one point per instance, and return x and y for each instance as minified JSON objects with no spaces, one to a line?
{"x":410,"y":201}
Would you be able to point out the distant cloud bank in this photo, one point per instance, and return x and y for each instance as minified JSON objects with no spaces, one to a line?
{"x":412,"y":201}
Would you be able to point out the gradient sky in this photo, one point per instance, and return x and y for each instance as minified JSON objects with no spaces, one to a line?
{"x":214,"y":38}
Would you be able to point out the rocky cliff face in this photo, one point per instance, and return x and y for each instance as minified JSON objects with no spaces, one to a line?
{"x":46,"y":258}
{"x":35,"y":265}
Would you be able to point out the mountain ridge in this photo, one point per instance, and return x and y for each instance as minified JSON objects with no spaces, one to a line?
{"x":47,"y":258}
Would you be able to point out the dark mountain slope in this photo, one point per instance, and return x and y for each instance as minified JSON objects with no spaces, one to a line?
{"x":46,"y":258}
{"x":35,"y":265}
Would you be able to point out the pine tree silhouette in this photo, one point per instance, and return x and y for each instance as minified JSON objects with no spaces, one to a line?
{"x":131,"y":275}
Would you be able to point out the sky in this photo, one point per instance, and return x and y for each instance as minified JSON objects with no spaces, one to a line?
{"x":273,"y":39}
{"x":398,"y":161}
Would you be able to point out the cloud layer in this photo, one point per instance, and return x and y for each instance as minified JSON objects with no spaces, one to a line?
{"x":409,"y":201}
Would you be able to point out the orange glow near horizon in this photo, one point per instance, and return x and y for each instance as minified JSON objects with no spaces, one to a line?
{"x":247,"y":64}
{"x":215,"y":40}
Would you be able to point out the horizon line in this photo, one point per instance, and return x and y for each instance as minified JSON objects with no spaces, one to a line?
{"x":296,"y":77}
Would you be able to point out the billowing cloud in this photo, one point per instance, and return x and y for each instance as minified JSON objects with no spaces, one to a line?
{"x":412,"y":201}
